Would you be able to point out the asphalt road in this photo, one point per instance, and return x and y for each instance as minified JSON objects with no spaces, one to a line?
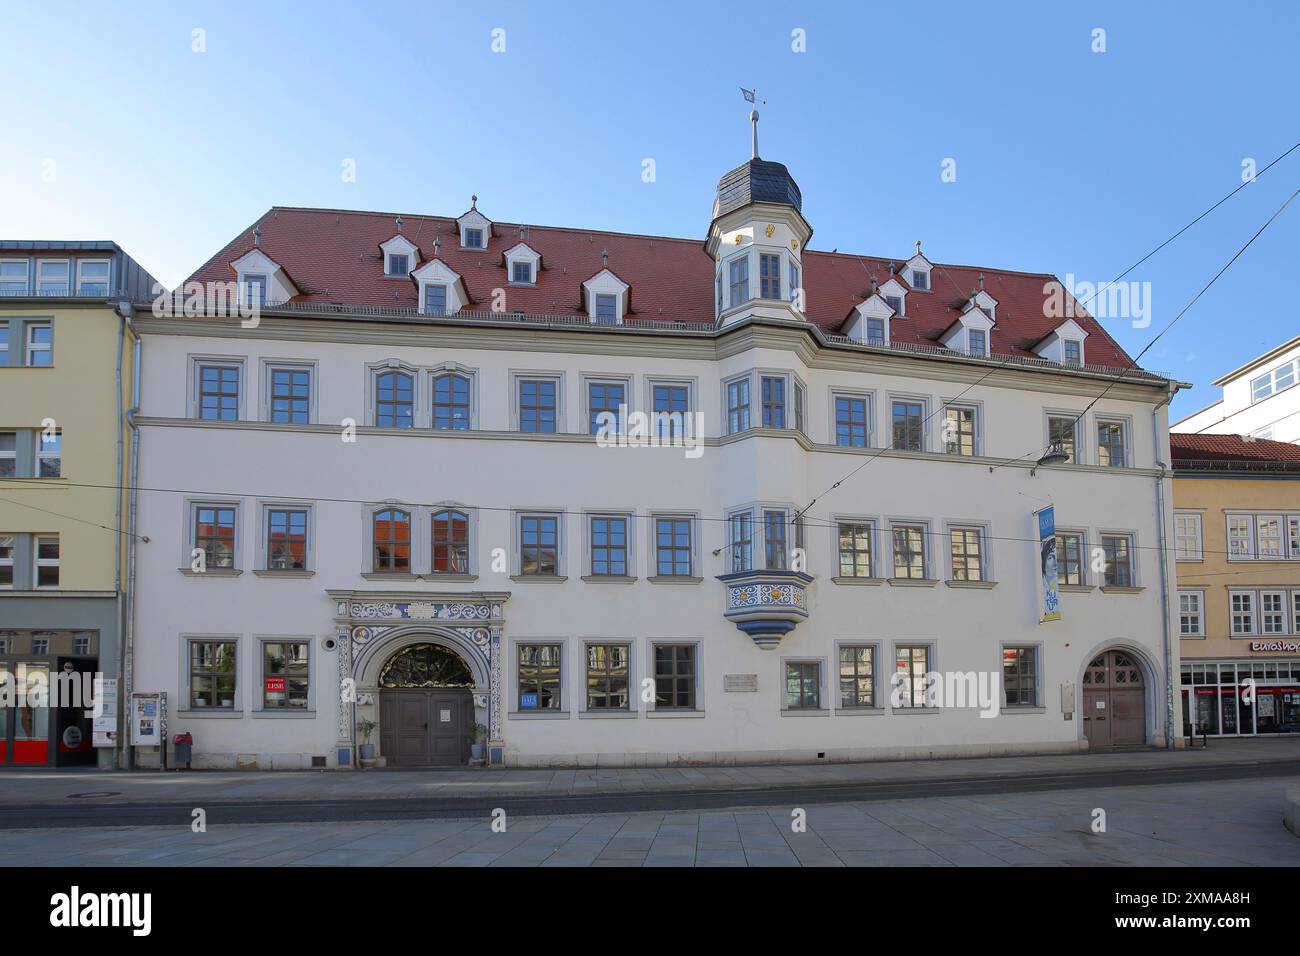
{"x":92,"y":812}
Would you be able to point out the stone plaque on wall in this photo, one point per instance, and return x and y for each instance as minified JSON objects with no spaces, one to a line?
{"x":740,"y":683}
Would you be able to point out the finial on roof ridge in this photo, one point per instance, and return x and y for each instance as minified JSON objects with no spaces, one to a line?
{"x":437,"y":244}
{"x":473,"y":202}
{"x":604,"y":257}
{"x":981,"y":279}
{"x":257,"y":235}
{"x":918,"y":247}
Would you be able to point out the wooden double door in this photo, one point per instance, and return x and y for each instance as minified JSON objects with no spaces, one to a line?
{"x":1114,"y":702}
{"x":425,"y":728}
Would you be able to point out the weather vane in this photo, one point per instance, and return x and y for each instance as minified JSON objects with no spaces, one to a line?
{"x":751,"y":96}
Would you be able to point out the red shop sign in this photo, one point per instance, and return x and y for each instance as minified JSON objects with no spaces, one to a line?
{"x":275,"y":685}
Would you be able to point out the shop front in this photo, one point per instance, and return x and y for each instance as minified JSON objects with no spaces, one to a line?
{"x":46,"y":696}
{"x":1241,"y":698}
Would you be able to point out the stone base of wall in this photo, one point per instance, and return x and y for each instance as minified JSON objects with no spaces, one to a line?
{"x":243,"y":761}
{"x":753,"y":757}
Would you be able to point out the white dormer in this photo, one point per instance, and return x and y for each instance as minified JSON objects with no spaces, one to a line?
{"x":442,"y":291}
{"x":895,"y":293}
{"x":261,"y":280}
{"x":982,"y":300}
{"x":969,"y":334}
{"x":522,"y":264}
{"x":475,"y":228}
{"x":1064,"y":344}
{"x":605,"y":298}
{"x":917,"y":271}
{"x":401,"y":257}
{"x":869,"y":323}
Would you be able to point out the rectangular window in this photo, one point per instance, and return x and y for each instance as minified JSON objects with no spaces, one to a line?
{"x":537,"y":405}
{"x":852,"y":423}
{"x":774,"y":540}
{"x":920,"y":280}
{"x":1069,"y":557}
{"x":284,"y":675}
{"x":741,"y":536}
{"x":53,"y":277}
{"x":737,"y":406}
{"x":959,"y":430}
{"x":286,"y":540}
{"x":1118,"y":552}
{"x":800,"y":395}
{"x":450,"y":542}
{"x":435,"y":299}
{"x":673,"y":547}
{"x":794,"y":283}
{"x":609,"y":546}
{"x":607,"y":309}
{"x":214,"y":535}
{"x":521,"y":272}
{"x":976,"y":342}
{"x":675,"y":677}
{"x":769,"y":276}
{"x":1110,"y":444}
{"x":6,"y":561}
{"x":1187,"y":537}
{"x":671,"y":404}
{"x":1073,"y":352}
{"x":909,"y":551}
{"x":909,"y":425}
{"x":8,"y":454}
{"x":606,"y":402}
{"x":967,"y":554}
{"x":913,"y":663}
{"x":13,"y":277}
{"x":1293,"y":533}
{"x":858,"y":676}
{"x":49,"y":454}
{"x":212,"y":674}
{"x":92,"y":277}
{"x":290,"y":395}
{"x":539,"y":676}
{"x":4,"y":340}
{"x":803,"y":685}
{"x":1269,"y":536}
{"x":41,"y":645}
{"x":1282,"y":377}
{"x":1020,"y":676}
{"x":855,"y":550}
{"x":1242,"y":606}
{"x":1272,"y":612}
{"x":772,"y":391}
{"x":399,"y":265}
{"x":875,"y":331}
{"x":81,"y":646}
{"x":895,"y":302}
{"x":1060,"y":431}
{"x":254,"y":290}
{"x":40,"y":345}
{"x":539,"y":545}
{"x":1190,"y":611}
{"x":738,"y":271}
{"x":607,"y":677}
{"x":1241,"y":536}
{"x":1295,"y":616}
{"x":473,"y":238}
{"x":218,"y":392}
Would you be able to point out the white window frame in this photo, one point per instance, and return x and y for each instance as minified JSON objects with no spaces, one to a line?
{"x":1195,"y":536}
{"x":1065,"y":355}
{"x":1249,"y":612}
{"x":41,"y":282}
{"x":38,"y":562}
{"x":9,"y":543}
{"x":43,"y":456}
{"x":30,"y":347}
{"x":249,"y":281}
{"x":108,"y":275}
{"x":1198,"y":614}
{"x":1278,"y":596}
{"x":424,"y":299}
{"x":12,"y":284}
{"x":1235,"y":554}
{"x":1048,"y":414}
{"x":11,"y":454}
{"x":1280,"y":522}
{"x":735,"y":522}
{"x":748,"y":378}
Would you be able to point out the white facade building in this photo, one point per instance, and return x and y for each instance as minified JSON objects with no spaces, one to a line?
{"x":384,"y":502}
{"x":1260,"y":399}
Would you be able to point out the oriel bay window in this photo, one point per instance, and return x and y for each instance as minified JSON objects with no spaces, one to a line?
{"x":392,"y":541}
{"x":1020,"y":676}
{"x":284,"y":675}
{"x":607,"y":677}
{"x":772,"y":389}
{"x":451,"y":402}
{"x":286,"y":539}
{"x":539,"y":545}
{"x":737,"y":406}
{"x":738,"y":274}
{"x":858,"y":676}
{"x":214,"y":535}
{"x":608,"y":546}
{"x":395,"y":399}
{"x":675,"y":676}
{"x":774,"y":540}
{"x":740,"y":531}
{"x":539,"y":677}
{"x":450,"y":542}
{"x":769,"y":276}
{"x":212,"y":674}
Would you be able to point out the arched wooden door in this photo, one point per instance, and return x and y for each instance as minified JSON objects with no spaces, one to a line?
{"x":426,"y":707}
{"x":1114,"y":702}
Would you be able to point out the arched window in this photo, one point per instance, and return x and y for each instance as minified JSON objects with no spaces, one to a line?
{"x":425,"y":665}
{"x":450,"y":543}
{"x":392,"y":529}
{"x":451,"y":401}
{"x":394,"y":400}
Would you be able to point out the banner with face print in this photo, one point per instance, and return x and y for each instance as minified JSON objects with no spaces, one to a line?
{"x":1047,"y":561}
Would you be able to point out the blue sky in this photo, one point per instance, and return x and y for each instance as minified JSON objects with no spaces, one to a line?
{"x":1067,"y":161}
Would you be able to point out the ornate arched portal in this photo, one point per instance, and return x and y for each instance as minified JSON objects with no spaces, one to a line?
{"x":1118,"y":698}
{"x":426,"y":707}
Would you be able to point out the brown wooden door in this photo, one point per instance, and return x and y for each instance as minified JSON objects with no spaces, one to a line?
{"x":1114,"y":702}
{"x":425,"y":728}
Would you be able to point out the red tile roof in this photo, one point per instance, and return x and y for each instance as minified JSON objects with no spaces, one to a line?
{"x":334,"y":257}
{"x":1185,"y":447}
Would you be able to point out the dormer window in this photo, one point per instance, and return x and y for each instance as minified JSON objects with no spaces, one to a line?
{"x":1073,"y":352}
{"x":875,"y":331}
{"x":607,"y":309}
{"x":253,"y":290}
{"x":895,"y":303}
{"x":398,"y":266}
{"x":521,"y":272}
{"x":921,"y":280}
{"x":473,"y":239}
{"x":523,"y":263}
{"x":976,"y":342}
{"x":606,"y":298}
{"x":435,"y":299}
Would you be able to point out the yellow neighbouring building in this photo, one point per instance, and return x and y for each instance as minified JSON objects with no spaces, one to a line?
{"x":68,"y":354}
{"x":1236,"y":540}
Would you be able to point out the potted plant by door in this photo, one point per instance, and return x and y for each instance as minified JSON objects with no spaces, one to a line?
{"x":477,"y":734}
{"x":367,"y":727}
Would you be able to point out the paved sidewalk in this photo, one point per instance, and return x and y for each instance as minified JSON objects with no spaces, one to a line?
{"x":26,"y":787}
{"x":1220,"y":823}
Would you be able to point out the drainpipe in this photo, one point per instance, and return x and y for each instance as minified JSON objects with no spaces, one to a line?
{"x":124,"y":312}
{"x":127,"y":657}
{"x":1164,"y":569}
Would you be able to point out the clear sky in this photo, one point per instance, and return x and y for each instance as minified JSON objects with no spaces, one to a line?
{"x":1067,"y":160}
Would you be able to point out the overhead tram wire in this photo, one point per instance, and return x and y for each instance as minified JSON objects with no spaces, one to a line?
{"x":803,"y":511}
